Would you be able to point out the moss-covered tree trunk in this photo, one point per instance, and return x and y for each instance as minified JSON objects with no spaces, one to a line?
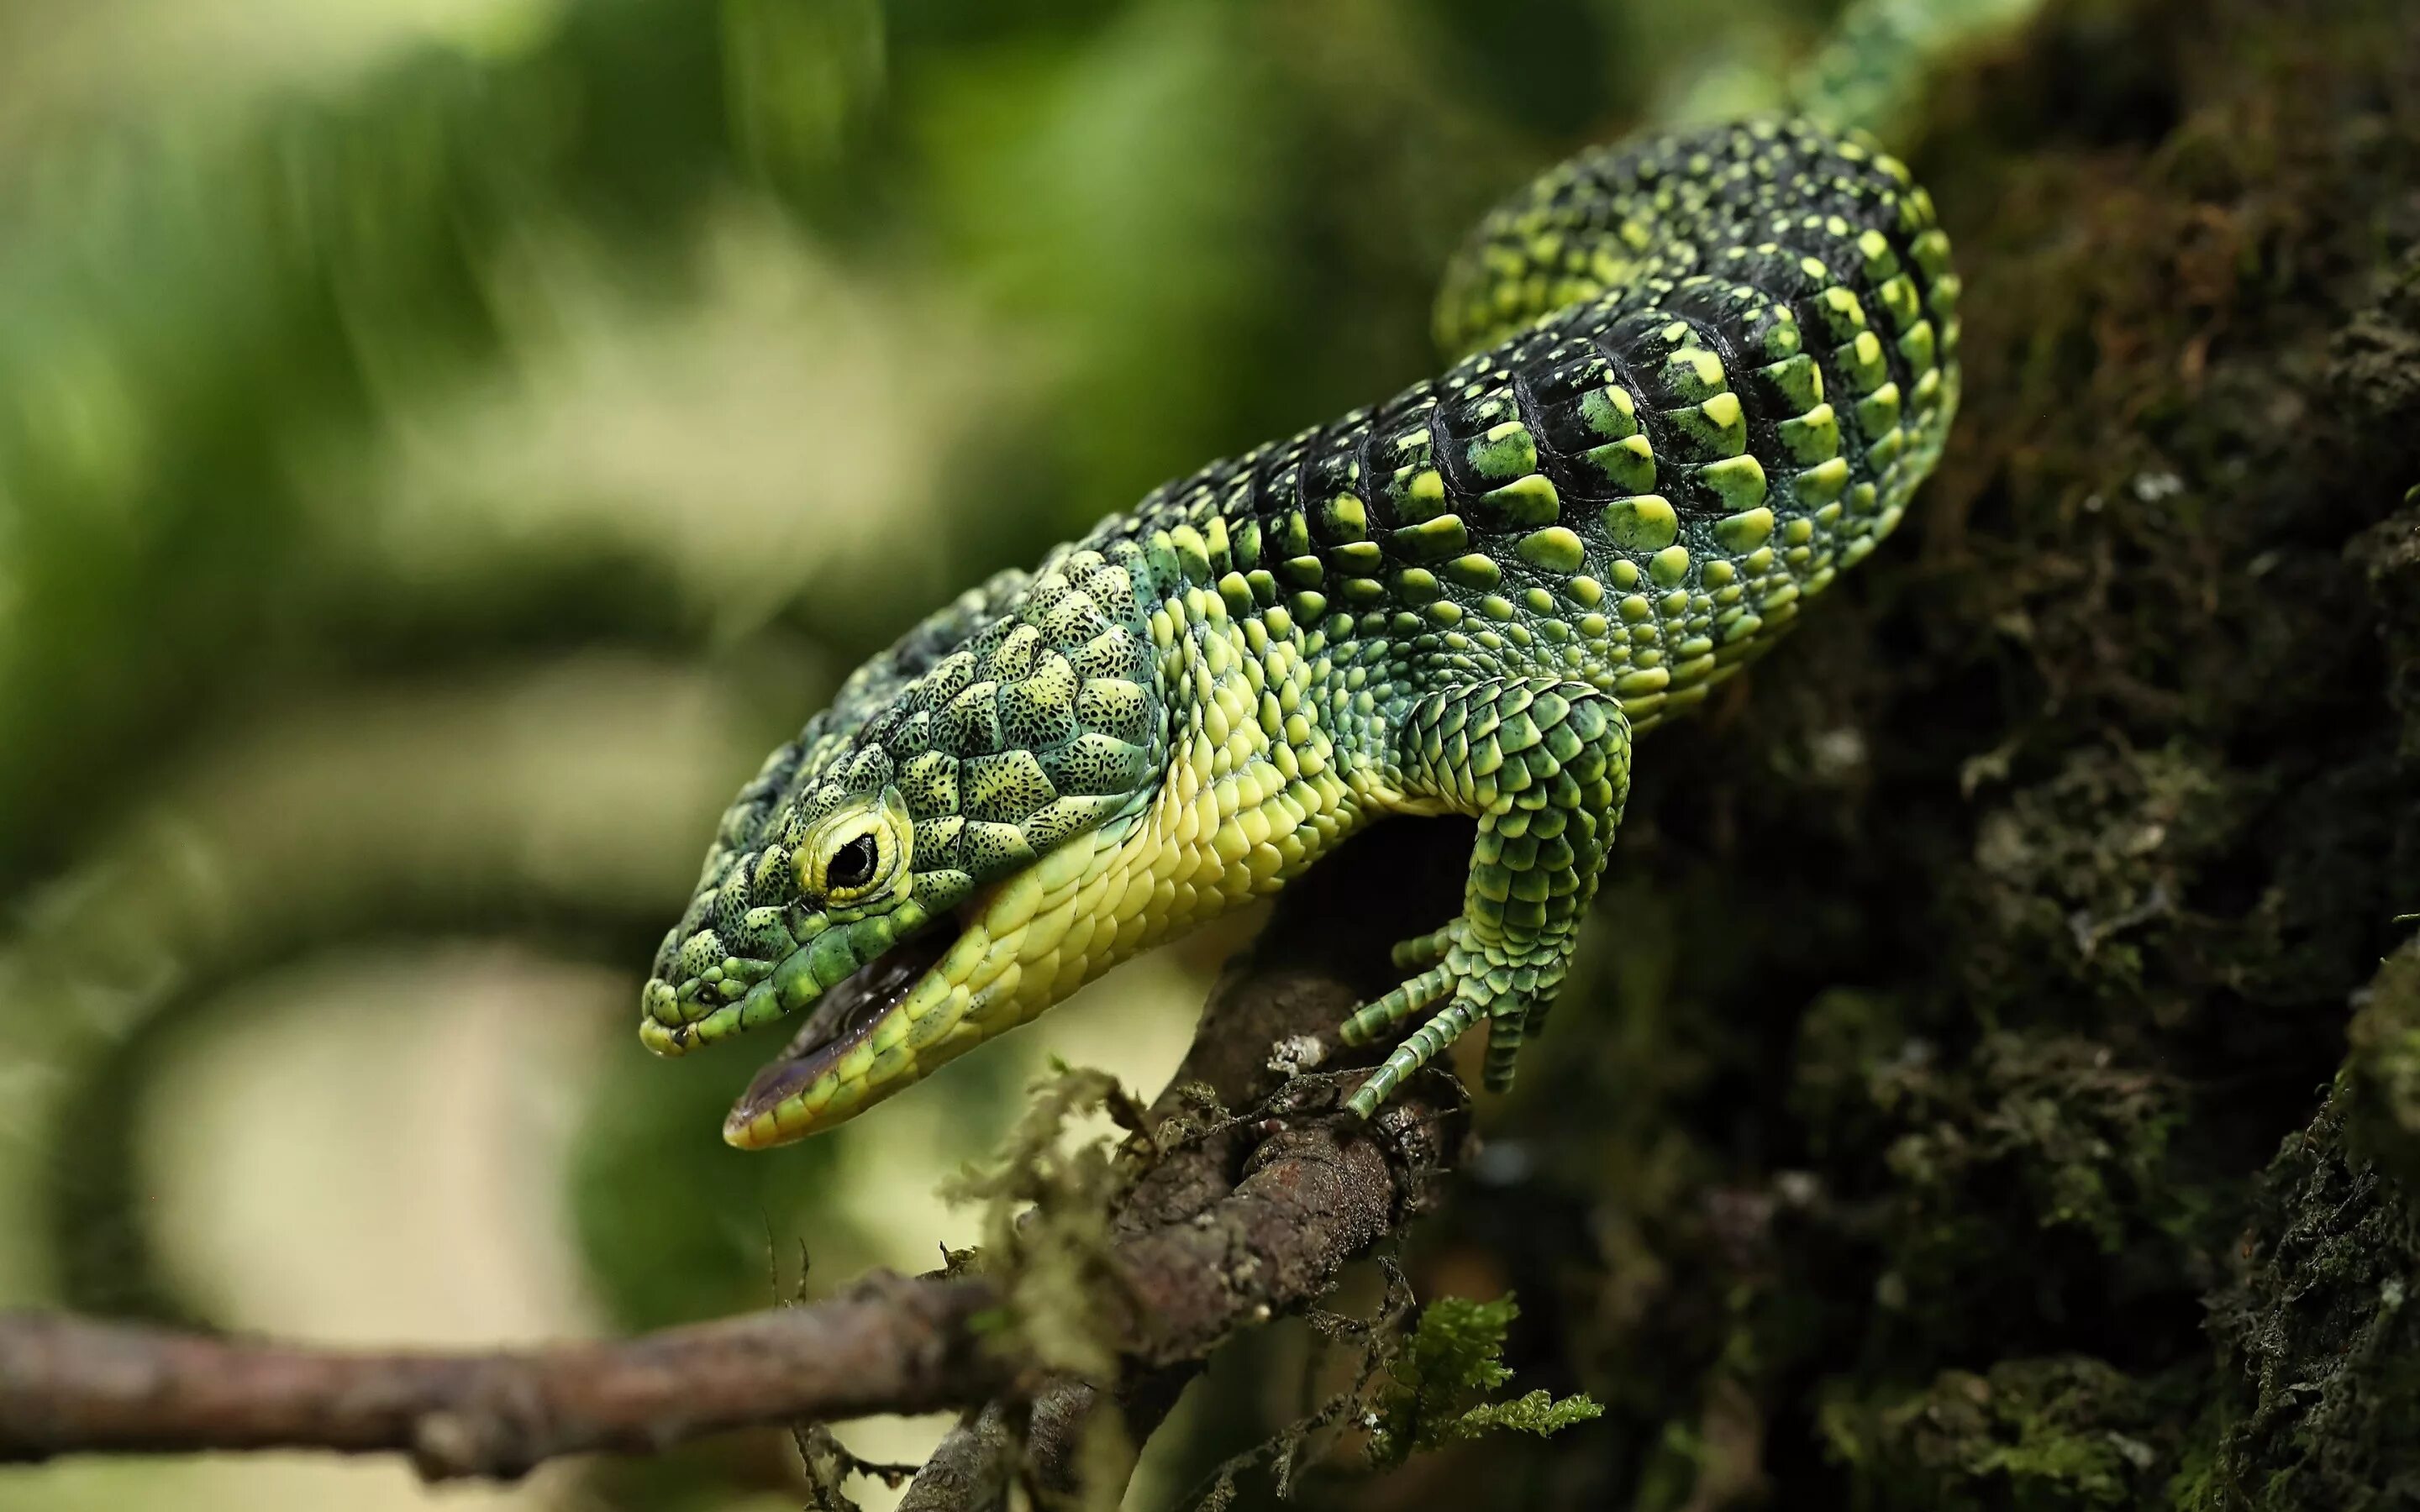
{"x":1953,"y":1117}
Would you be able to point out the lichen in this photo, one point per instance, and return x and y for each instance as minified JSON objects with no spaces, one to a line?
{"x":1046,"y":1225}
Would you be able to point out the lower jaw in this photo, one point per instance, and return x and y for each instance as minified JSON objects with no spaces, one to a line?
{"x":1035,"y":939}
{"x":962,"y":1000}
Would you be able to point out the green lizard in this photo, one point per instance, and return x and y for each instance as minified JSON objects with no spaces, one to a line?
{"x":1707,"y":370}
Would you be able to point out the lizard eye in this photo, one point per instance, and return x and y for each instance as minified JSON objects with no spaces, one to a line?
{"x":859,"y":855}
{"x":852,"y":865}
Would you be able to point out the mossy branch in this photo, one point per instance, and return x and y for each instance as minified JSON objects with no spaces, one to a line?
{"x":1225,"y":1222}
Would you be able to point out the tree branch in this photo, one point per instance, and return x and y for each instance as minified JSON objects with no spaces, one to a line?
{"x":72,"y":1386}
{"x":1244,"y":1220}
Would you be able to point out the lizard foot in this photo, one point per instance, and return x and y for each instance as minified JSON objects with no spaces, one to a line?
{"x":1472,"y":984}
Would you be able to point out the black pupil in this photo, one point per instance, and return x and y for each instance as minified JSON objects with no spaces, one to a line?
{"x":854,"y":866}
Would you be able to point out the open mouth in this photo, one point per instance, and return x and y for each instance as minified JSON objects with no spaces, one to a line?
{"x":845,"y":1017}
{"x":942,"y":982}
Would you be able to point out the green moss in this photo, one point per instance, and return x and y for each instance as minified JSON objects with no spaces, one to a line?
{"x":1442,"y":1379}
{"x":2381,"y":1078}
{"x":2083,"y":873}
{"x":2320,"y":1339}
{"x":2063,"y":1432}
{"x":1996,"y":1166}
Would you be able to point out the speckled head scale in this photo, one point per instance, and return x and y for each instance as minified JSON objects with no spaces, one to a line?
{"x":952,"y":762}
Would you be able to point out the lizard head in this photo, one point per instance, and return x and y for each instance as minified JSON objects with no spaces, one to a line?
{"x":909,"y":876}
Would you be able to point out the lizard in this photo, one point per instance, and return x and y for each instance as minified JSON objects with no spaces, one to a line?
{"x":1704,"y":374}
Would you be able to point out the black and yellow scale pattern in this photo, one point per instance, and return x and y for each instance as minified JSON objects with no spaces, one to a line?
{"x":1716,"y":366}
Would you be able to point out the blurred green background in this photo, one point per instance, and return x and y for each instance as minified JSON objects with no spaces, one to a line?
{"x":444,"y":444}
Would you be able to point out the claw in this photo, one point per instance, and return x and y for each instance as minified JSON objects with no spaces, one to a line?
{"x":1512,"y":999}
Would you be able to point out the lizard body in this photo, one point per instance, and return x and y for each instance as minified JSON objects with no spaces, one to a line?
{"x":1709,"y":371}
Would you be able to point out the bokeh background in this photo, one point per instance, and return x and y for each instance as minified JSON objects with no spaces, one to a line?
{"x":444,"y":444}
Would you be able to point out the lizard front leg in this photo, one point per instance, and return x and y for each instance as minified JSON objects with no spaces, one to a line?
{"x":1545,"y":766}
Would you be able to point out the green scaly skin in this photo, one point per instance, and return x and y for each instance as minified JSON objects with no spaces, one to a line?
{"x":1713,"y":369}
